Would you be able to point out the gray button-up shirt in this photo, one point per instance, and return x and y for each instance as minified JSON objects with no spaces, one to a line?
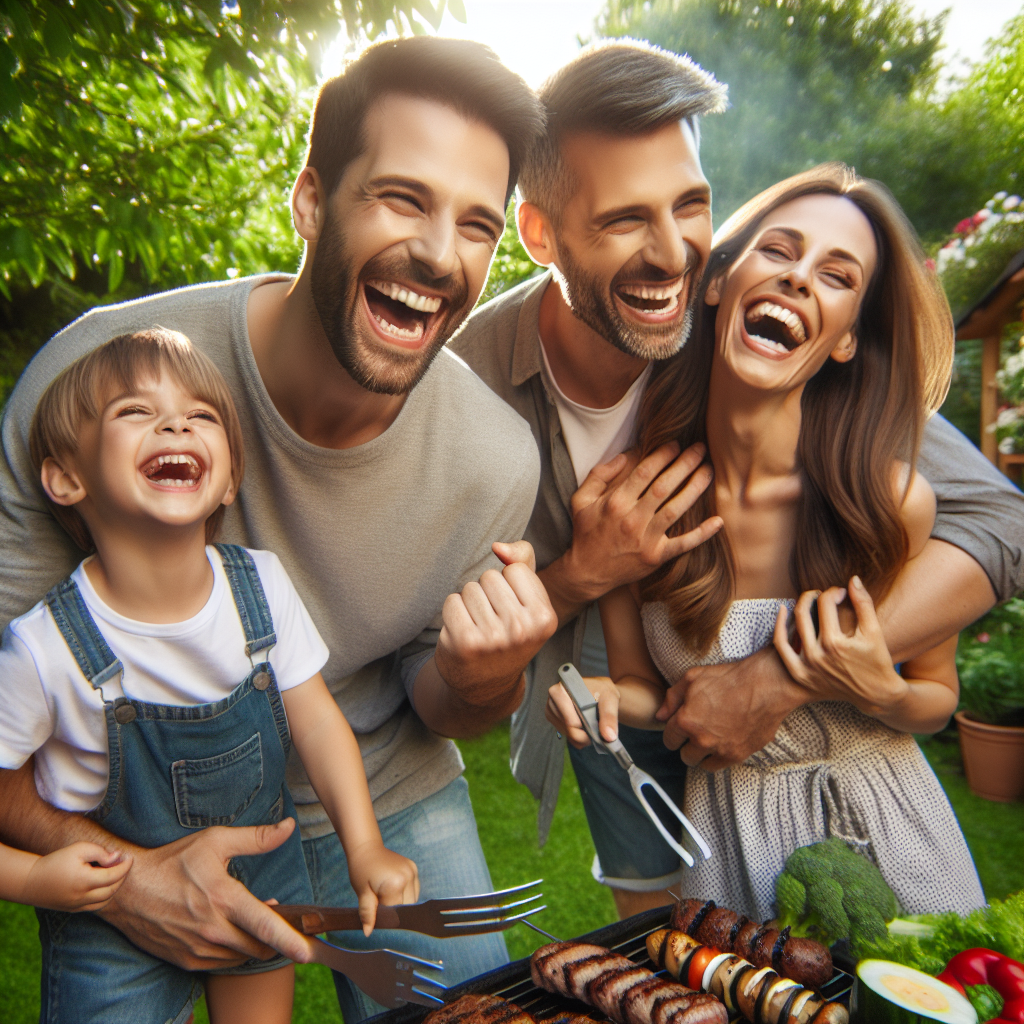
{"x":979,"y":510}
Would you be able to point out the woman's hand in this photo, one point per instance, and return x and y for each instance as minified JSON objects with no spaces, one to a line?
{"x":379,"y":875}
{"x":836,"y":665}
{"x":562,"y":714}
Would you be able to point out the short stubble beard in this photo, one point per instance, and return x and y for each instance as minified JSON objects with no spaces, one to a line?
{"x":374,"y":367}
{"x":589,"y":302}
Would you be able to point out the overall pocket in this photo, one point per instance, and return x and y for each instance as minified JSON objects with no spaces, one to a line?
{"x":216,"y":790}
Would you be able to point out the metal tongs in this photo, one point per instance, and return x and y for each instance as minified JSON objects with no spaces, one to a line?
{"x":586,"y":705}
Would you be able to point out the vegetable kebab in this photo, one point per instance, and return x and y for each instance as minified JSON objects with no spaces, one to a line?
{"x":759,"y":994}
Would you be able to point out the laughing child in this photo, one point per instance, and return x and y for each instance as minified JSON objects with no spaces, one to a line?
{"x":161,"y":685}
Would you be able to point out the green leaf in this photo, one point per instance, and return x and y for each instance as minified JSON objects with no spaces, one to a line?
{"x":29,"y":256}
{"x":115,"y":273}
{"x":102,"y":244}
{"x":56,"y":37}
{"x":458,"y":9}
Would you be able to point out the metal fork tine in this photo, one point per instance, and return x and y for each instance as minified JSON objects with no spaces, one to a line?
{"x":430,"y":981}
{"x":434,"y":1000}
{"x":496,"y":906}
{"x":437,"y":965}
{"x":494,"y":924}
{"x":453,"y":902}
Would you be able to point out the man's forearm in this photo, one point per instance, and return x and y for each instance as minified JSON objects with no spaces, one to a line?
{"x":939,"y":593}
{"x":567,"y":594}
{"x":448,"y":713}
{"x":29,"y":823}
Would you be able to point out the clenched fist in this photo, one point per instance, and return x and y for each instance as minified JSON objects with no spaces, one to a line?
{"x":494,"y":628}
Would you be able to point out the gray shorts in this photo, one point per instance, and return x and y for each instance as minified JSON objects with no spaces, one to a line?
{"x":631,"y":853}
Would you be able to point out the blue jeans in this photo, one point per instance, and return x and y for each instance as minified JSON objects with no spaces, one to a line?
{"x":439,"y":834}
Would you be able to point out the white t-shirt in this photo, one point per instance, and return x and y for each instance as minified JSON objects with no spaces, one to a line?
{"x":593,"y":436}
{"x":49,"y":708}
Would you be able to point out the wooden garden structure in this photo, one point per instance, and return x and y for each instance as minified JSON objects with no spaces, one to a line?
{"x":985,"y":321}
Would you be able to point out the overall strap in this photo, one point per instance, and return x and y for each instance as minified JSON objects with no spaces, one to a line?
{"x":250,"y":600}
{"x":96,"y":660}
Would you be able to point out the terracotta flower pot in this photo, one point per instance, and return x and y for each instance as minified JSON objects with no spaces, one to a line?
{"x":993,"y":758}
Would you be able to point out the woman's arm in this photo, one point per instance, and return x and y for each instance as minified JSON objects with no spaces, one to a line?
{"x":635,"y":690}
{"x":856,"y":665}
{"x":331,"y":757}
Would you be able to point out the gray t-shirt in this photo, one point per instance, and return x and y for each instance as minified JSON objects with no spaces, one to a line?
{"x":373,"y":537}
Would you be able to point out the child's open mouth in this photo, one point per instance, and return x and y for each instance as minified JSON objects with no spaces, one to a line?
{"x":400,"y":313}
{"x":173,"y":470}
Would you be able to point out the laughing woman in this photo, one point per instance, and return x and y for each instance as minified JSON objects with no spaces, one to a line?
{"x":822,"y":345}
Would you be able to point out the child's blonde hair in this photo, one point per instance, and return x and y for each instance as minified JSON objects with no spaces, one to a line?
{"x":79,"y":393}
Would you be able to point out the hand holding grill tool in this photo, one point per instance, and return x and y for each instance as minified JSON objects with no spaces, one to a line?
{"x":586,"y":706}
{"x":444,"y":919}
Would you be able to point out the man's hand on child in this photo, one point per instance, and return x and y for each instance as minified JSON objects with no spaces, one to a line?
{"x":562,"y":714}
{"x":379,"y":875}
{"x":82,"y":876}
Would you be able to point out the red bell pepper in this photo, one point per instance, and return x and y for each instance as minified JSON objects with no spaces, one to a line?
{"x":986,"y":967}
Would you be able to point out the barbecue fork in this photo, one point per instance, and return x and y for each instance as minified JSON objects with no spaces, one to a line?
{"x":444,"y":919}
{"x":586,"y":706}
{"x":384,"y":975}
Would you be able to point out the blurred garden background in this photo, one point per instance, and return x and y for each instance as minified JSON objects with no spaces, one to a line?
{"x":146,"y":145}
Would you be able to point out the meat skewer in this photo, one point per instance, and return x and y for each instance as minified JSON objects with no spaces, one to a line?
{"x":758,"y":993}
{"x":627,"y":993}
{"x":803,"y":960}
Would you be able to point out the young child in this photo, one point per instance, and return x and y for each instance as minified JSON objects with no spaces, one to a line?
{"x":161,"y":685}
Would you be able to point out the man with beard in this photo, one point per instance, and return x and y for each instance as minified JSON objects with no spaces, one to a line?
{"x":379,"y":469}
{"x":613,"y":200}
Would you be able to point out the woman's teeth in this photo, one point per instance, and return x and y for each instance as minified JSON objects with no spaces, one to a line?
{"x":792,"y":323}
{"x":398,"y":332}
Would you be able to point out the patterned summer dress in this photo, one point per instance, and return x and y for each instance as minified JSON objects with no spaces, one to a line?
{"x":830,"y":771}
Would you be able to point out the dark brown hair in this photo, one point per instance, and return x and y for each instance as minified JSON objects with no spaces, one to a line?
{"x":79,"y":393}
{"x":857,"y":418}
{"x":616,"y":87}
{"x":462,"y":74}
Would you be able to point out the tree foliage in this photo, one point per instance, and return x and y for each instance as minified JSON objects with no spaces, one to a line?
{"x":814,"y":80}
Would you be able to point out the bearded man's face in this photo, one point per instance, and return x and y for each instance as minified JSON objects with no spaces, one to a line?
{"x":634,"y":238}
{"x":404,"y":250}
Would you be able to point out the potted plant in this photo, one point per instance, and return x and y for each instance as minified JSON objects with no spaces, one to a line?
{"x":990,"y":719}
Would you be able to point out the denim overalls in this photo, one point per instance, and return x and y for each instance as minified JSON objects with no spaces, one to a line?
{"x":173,"y":770}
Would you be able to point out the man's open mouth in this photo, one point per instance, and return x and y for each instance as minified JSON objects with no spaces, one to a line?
{"x":173,"y":470}
{"x":774,"y":325}
{"x":651,"y":300}
{"x":401,"y":313}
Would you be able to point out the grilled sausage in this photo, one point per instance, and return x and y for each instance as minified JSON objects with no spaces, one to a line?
{"x":801,"y":959}
{"x":479,"y":1009}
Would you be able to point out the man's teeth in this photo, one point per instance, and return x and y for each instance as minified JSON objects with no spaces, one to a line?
{"x":784,"y":316}
{"x":657,"y":295}
{"x":647,"y":292}
{"x":421,"y":303}
{"x":398,"y":332}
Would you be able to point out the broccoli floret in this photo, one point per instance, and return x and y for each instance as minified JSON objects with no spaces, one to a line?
{"x":845,"y":895}
{"x":790,"y":896}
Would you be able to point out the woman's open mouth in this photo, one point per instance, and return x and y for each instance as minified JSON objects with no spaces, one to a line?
{"x":400,"y":314}
{"x":651,"y":303}
{"x":777,"y":328}
{"x":179,"y":470}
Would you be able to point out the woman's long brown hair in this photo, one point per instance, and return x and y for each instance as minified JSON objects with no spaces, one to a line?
{"x":857,"y":418}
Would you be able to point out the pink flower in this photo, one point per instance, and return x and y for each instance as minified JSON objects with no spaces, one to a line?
{"x":979,"y":217}
{"x":983,"y":638}
{"x":929,"y":264}
{"x":965,"y":227}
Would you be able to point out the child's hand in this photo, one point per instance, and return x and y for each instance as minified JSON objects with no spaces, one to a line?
{"x":562,"y":714}
{"x":82,"y":876}
{"x":379,"y":875}
{"x":835,"y":664}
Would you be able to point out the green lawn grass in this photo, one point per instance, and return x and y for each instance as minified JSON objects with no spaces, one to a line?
{"x":506,"y":815}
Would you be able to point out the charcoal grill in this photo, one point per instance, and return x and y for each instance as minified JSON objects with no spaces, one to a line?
{"x":513,"y":981}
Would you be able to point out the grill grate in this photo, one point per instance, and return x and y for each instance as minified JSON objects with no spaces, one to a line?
{"x":627,"y":938}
